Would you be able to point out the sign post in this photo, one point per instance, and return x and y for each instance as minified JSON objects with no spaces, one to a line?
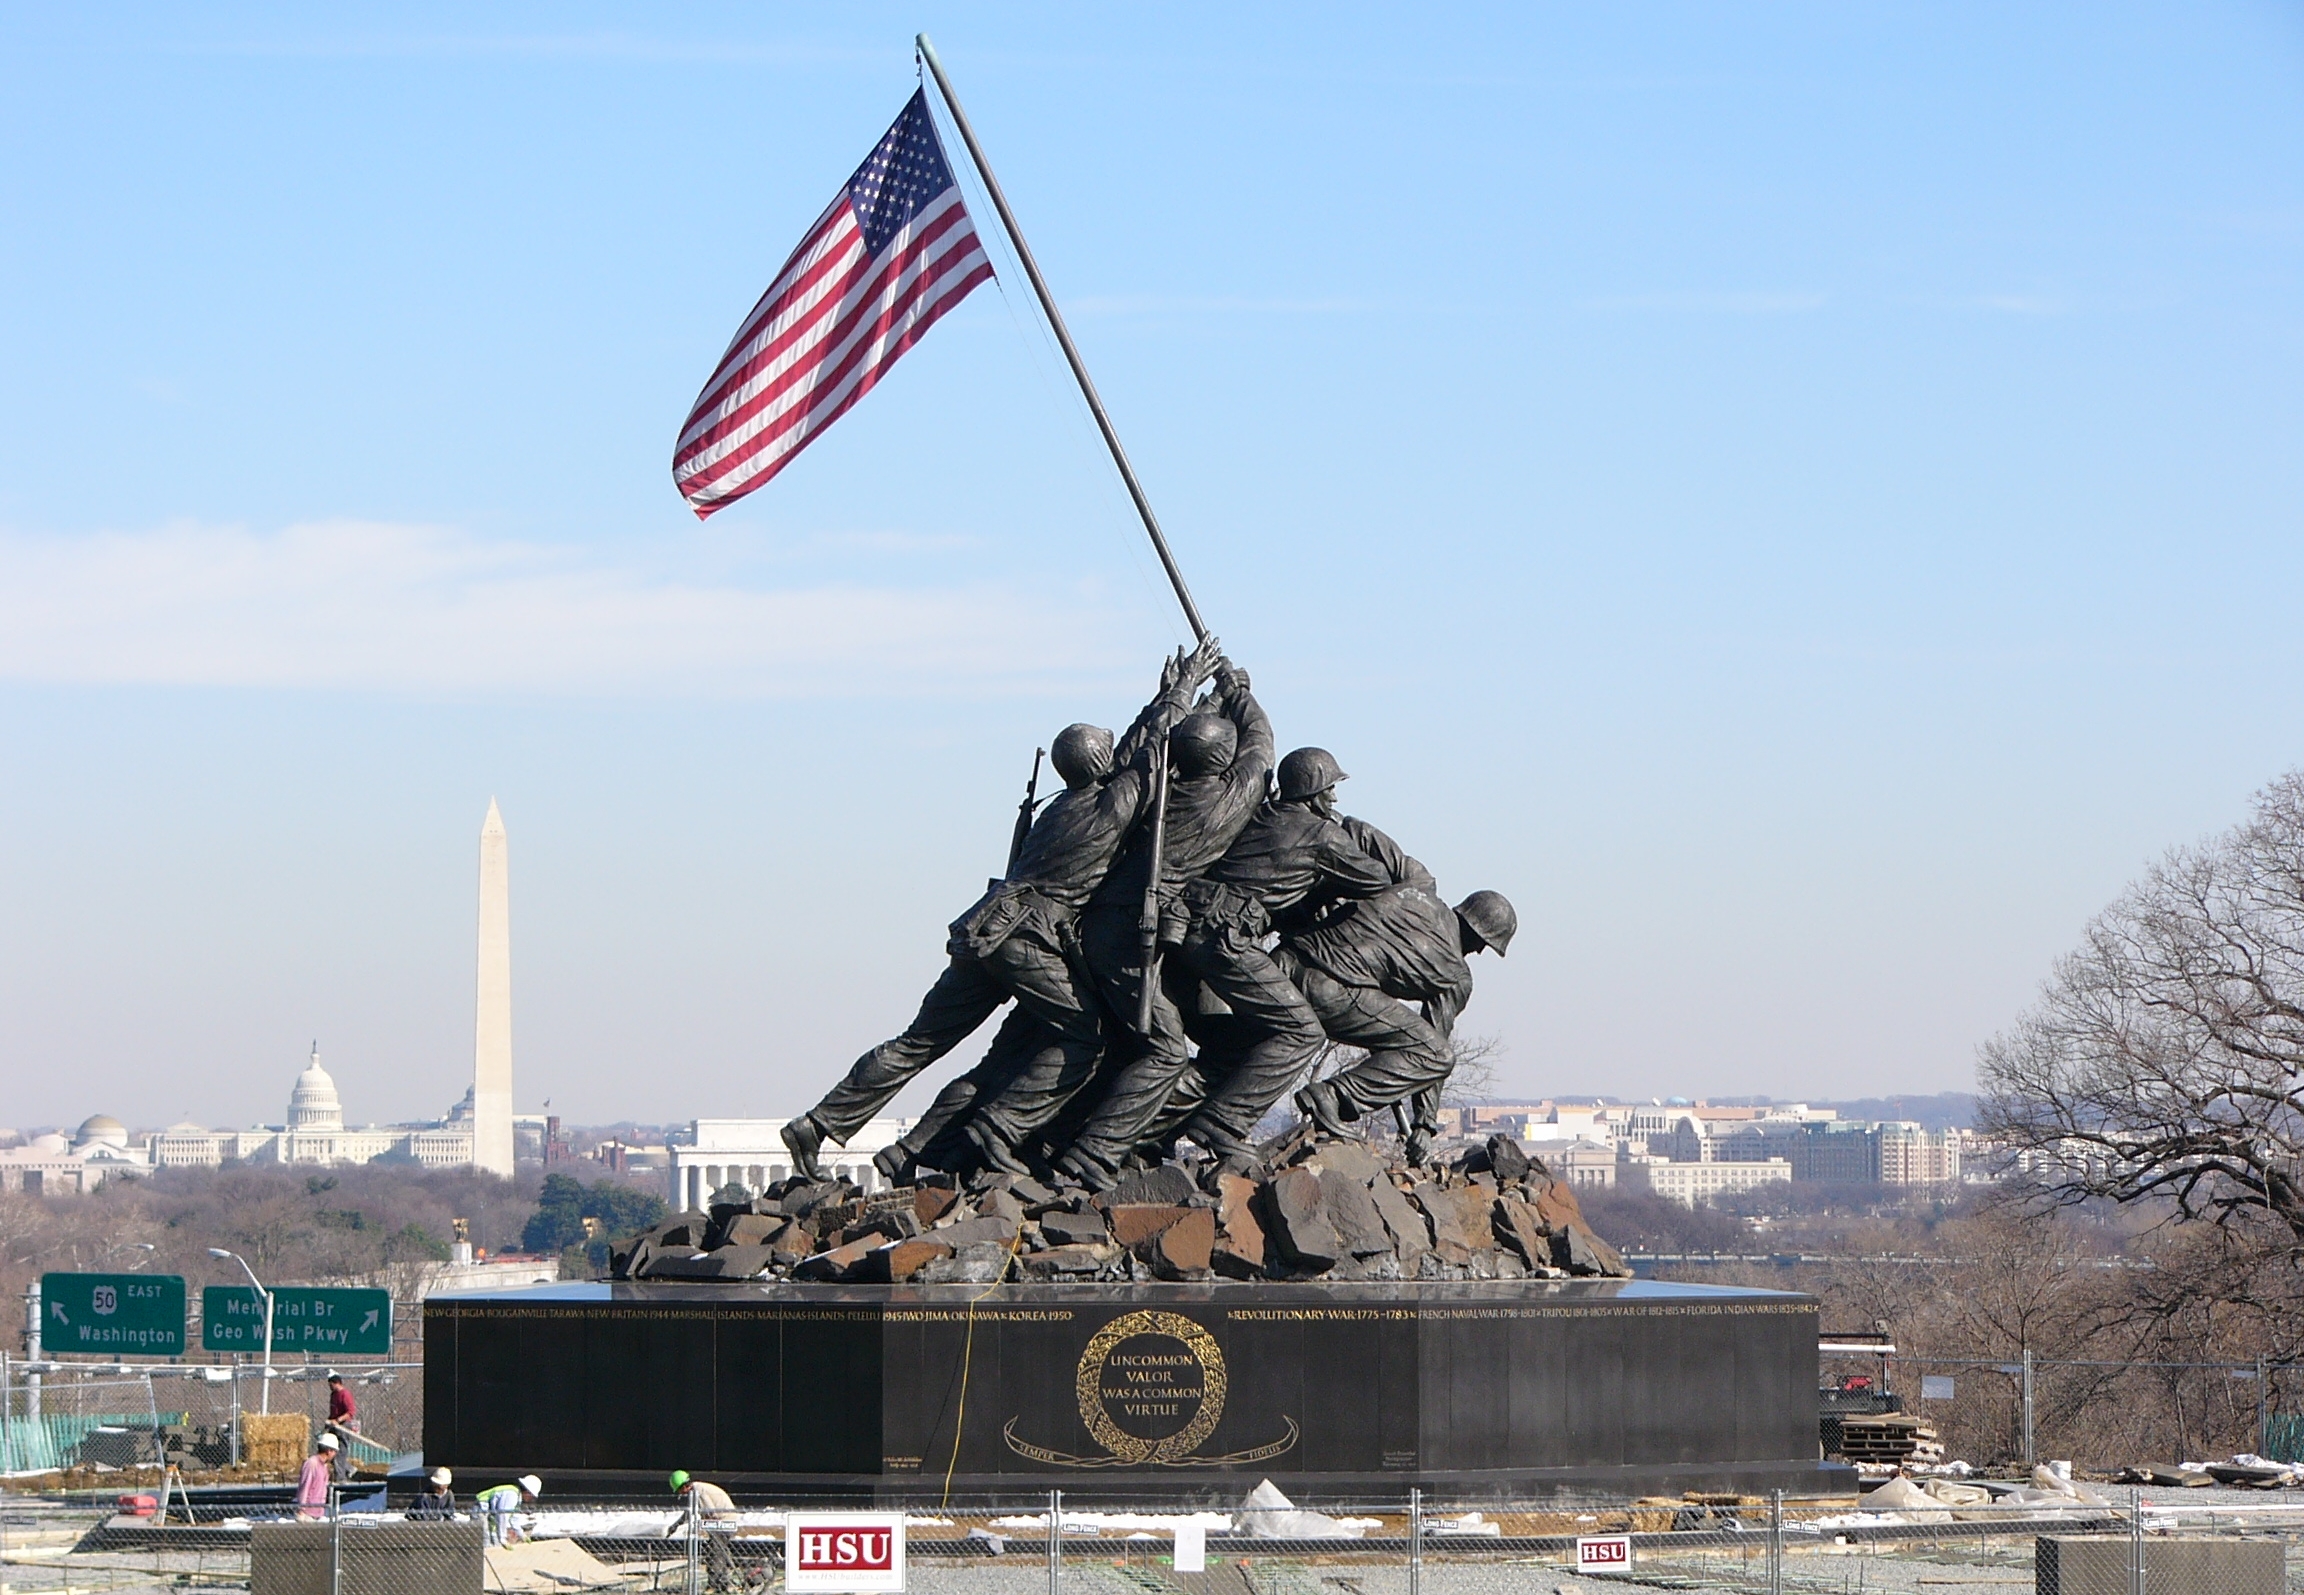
{"x":119,"y":1315}
{"x":336,"y":1320}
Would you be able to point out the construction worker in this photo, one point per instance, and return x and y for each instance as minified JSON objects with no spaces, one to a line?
{"x":499,"y":1504}
{"x":713,"y":1514}
{"x":319,"y":1472}
{"x":437,"y":1502}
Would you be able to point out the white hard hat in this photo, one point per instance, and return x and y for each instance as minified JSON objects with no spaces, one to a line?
{"x":329,"y":1442}
{"x":532,"y":1484}
{"x":441,"y":1477}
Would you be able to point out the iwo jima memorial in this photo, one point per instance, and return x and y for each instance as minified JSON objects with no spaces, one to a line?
{"x":1088,"y":1272}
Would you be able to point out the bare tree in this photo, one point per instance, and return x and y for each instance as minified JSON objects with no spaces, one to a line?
{"x":2164,"y":1060}
{"x":1472,"y":1078}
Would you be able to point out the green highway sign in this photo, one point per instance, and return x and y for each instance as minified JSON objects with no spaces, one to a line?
{"x":120,"y":1315}
{"x":327,"y":1318}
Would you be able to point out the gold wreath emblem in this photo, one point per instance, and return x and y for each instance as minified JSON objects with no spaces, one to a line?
{"x":1090,"y":1387}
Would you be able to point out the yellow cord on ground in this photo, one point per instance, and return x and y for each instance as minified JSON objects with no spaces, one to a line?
{"x":967,"y":1356}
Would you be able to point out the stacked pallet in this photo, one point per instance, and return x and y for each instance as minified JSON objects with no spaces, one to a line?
{"x":1895,"y":1439}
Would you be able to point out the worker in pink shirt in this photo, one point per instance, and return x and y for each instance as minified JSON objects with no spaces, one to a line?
{"x":312,"y":1484}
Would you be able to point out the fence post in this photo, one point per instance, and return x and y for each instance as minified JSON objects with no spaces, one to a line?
{"x":1415,"y":1541}
{"x":2135,"y":1541}
{"x":2029,"y":1459}
{"x":335,"y":1538}
{"x":235,"y":1409}
{"x":1776,"y":1542}
{"x":1055,"y":1541}
{"x":2263,"y":1440}
{"x":695,"y":1568}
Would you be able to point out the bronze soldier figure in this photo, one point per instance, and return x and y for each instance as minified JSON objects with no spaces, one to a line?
{"x":1218,"y":760}
{"x":1294,"y":859}
{"x":1362,"y":969}
{"x":1015,"y":942}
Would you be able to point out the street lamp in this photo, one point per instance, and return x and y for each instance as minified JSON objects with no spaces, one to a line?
{"x":220,"y":1253}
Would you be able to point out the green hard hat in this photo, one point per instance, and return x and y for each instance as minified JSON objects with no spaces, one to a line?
{"x":679,"y":1478}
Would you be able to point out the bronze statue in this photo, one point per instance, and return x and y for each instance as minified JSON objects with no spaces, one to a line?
{"x":1014,"y":941}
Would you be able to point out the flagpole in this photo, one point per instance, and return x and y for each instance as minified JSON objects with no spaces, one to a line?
{"x":1064,"y":338}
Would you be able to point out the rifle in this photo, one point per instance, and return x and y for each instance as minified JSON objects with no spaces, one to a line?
{"x":1024,"y":810}
{"x":1148,"y":921}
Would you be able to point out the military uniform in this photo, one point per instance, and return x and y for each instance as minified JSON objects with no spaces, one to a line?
{"x":1204,"y":814}
{"x":1019,"y":941}
{"x":1361,"y":970}
{"x":1290,"y":861}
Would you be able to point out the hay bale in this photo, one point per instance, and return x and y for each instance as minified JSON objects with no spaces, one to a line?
{"x":275,"y":1440}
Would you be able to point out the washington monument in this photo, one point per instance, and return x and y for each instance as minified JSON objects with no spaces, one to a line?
{"x":492,"y":1030}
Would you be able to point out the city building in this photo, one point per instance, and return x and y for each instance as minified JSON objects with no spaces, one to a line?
{"x":1579,"y":1163}
{"x":315,"y":1132}
{"x":50,"y":1165}
{"x":1689,"y":1182}
{"x":751,"y":1153}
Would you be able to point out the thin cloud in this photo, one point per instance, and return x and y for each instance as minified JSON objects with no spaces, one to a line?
{"x":1712,"y":303}
{"x":369,"y":606}
{"x":1095,"y":305}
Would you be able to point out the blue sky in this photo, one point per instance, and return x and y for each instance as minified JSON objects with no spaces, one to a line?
{"x":1801,"y":498}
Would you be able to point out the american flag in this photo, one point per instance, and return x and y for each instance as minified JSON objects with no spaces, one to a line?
{"x":895,"y":251}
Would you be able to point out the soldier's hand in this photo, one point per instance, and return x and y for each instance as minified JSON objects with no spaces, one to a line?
{"x":1172,"y":671}
{"x":1205,"y":658}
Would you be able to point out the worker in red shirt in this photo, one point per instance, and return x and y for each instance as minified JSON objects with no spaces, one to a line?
{"x":343,"y":1419}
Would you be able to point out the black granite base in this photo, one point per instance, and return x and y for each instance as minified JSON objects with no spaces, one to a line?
{"x":1131,"y":1392}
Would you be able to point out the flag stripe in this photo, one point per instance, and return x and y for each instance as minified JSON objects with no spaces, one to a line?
{"x":873,"y":273}
{"x":900,"y":326}
{"x":796,"y":338}
{"x":787,"y":374}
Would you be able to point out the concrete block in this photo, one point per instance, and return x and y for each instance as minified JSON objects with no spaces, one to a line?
{"x":2076,"y":1565}
{"x":1165,"y":1186}
{"x":989,"y":1230}
{"x":1133,"y":1223}
{"x":1459,"y":1220}
{"x":1411,"y":1233}
{"x":1507,"y":1159}
{"x":836,"y":1263}
{"x":1069,"y":1229}
{"x":1298,"y":1209}
{"x":932,"y":1202}
{"x":1352,"y":1213}
{"x":1518,"y":1227}
{"x":1240,"y":1233}
{"x":751,"y":1229}
{"x":907,"y":1258}
{"x":1349,"y":1157}
{"x":377,"y":1559}
{"x":1185,"y":1249}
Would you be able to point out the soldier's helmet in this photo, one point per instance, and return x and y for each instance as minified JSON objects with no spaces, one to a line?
{"x":1491,"y":917}
{"x":1307,"y":771}
{"x":1202,"y":744}
{"x":1081,"y":753}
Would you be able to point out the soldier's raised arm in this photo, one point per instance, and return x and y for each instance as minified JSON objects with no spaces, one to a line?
{"x":1252,"y":758}
{"x":1180,"y":679}
{"x":1404,"y":870}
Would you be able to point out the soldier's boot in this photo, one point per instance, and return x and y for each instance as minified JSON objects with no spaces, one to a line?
{"x":894,"y":1163}
{"x":803,"y":1138}
{"x":997,"y":1154}
{"x":1321,"y":1103}
{"x":1086,"y":1170}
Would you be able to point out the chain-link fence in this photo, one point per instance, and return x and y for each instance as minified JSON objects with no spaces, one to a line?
{"x":2100,"y":1415}
{"x":71,"y":1416}
{"x":1963,"y":1540}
